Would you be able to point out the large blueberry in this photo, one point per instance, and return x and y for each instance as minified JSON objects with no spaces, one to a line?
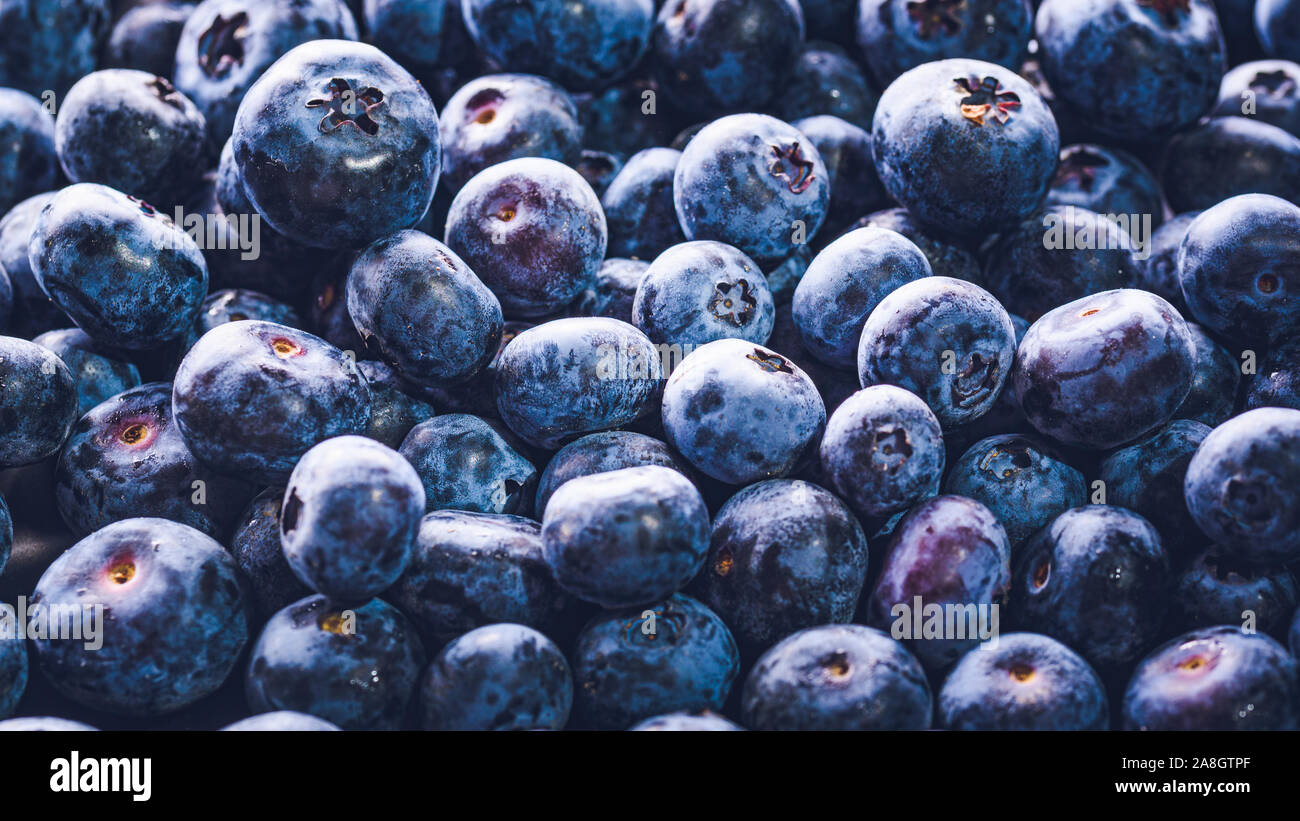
{"x":1217,"y":588}
{"x":466,"y":465}
{"x":601,"y":453}
{"x":639,"y":205}
{"x":1227,"y":156}
{"x":38,"y":404}
{"x":47,"y":45}
{"x":897,"y":35}
{"x":697,"y":292}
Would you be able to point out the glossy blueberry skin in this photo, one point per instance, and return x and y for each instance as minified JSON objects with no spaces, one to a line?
{"x":698,"y":292}
{"x":1147,"y":478}
{"x":581,"y":45}
{"x":702,"y":721}
{"x":1242,"y":483}
{"x":1214,"y":679}
{"x":625,"y":537}
{"x":126,"y":458}
{"x":639,"y":207}
{"x":50,"y":44}
{"x":97,"y":373}
{"x":908,"y":336}
{"x":953,"y":174}
{"x":30,"y":164}
{"x":1237,"y":271}
{"x":1106,"y":181}
{"x":601,"y":453}
{"x":497,"y":677}
{"x":282,"y":721}
{"x":747,"y":180}
{"x":1024,"y":681}
{"x":826,"y":81}
{"x":226,"y":45}
{"x":235,"y":304}
{"x":251,"y":397}
{"x":784,"y":555}
{"x":898,"y":35}
{"x":132,"y":131}
{"x":837,"y":677}
{"x":393,"y":412}
{"x":1097,"y":578}
{"x":13,"y":674}
{"x":466,"y":465}
{"x":6,"y":533}
{"x":423,"y":310}
{"x":627,"y":668}
{"x":256,"y":547}
{"x":38,"y":405}
{"x":178,"y":617}
{"x":1105,"y":369}
{"x":1217,"y":588}
{"x":614,"y":290}
{"x":740,"y":412}
{"x":883,"y":450}
{"x":145,"y":38}
{"x":1277,"y":23}
{"x":337,"y":186}
{"x":1227,"y":156}
{"x":34,"y":724}
{"x":1021,"y":479}
{"x":1268,"y":89}
{"x":534,"y":232}
{"x":845,"y":148}
{"x":125,"y":273}
{"x":725,"y":55}
{"x":570,"y":377}
{"x":946,"y":258}
{"x":1158,"y":273}
{"x":308,"y":656}
{"x":503,"y":117}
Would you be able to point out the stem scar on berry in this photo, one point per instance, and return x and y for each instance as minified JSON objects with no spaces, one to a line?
{"x":791,"y":165}
{"x":770,"y":362}
{"x":343,"y":103}
{"x":985,"y":98}
{"x":222,"y":46}
{"x":736,"y":308}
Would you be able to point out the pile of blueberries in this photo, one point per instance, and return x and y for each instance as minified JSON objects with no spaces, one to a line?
{"x":677,"y":365}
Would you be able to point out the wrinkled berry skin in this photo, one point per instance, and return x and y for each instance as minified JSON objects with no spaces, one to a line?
{"x":282,"y":721}
{"x":497,"y":677}
{"x":614,"y":290}
{"x":329,"y":178}
{"x":175,"y":617}
{"x":898,"y":35}
{"x":837,"y":677}
{"x":226,"y":45}
{"x":1021,"y":479}
{"x":1242,"y":485}
{"x":124,"y":272}
{"x":946,"y":258}
{"x":845,"y":148}
{"x":1237,"y":269}
{"x":98,"y":375}
{"x":1214,"y":679}
{"x":351,"y":511}
{"x":752,"y":181}
{"x":627,"y":536}
{"x":533,"y":231}
{"x":701,"y":721}
{"x":725,"y":55}
{"x":1106,"y":181}
{"x":251,"y":397}
{"x":503,"y":117}
{"x":582,"y":45}
{"x":1147,"y":478}
{"x":421,"y":307}
{"x":1217,"y":588}
{"x":908,"y":338}
{"x":639,"y":207}
{"x":844,"y":284}
{"x":740,"y":412}
{"x":50,"y":44}
{"x":38,"y":405}
{"x":1228,"y":156}
{"x":1271,"y":86}
{"x":132,"y":131}
{"x":784,"y":555}
{"x":698,"y":292}
{"x":392,"y":411}
{"x":570,"y":377}
{"x":825,"y":80}
{"x":1214,"y":387}
{"x":309,"y":656}
{"x":126,"y":458}
{"x":632,"y":664}
{"x":1024,"y":681}
{"x":1158,"y":273}
{"x":465,"y":465}
{"x":1097,"y":579}
{"x":29,"y":165}
{"x":964,"y":171}
{"x":601,"y":453}
{"x":257,"y":550}
{"x":883,"y":450}
{"x":948,"y":550}
{"x":1105,"y":369}
{"x":13,"y":674}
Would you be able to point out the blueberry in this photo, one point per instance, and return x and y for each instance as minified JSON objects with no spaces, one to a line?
{"x":754,"y":182}
{"x":33,"y":724}
{"x":614,"y":290}
{"x":6,"y":533}
{"x":1103,"y":370}
{"x":234,"y":305}
{"x":1264,"y":90}
{"x":282,"y":721}
{"x":497,"y":677}
{"x":784,"y":555}
{"x":126,"y":274}
{"x":1214,"y":387}
{"x":1276,"y":23}
{"x":337,"y":145}
{"x":1242,"y":482}
{"x":946,"y":340}
{"x":50,"y":44}
{"x":639,"y":207}
{"x":98,"y":373}
{"x":1021,"y":479}
{"x":393,"y":412}
{"x":825,"y":80}
{"x":257,"y":550}
{"x":700,"y":721}
{"x":630,"y":665}
{"x":13,"y":674}
{"x":883,"y":450}
{"x":38,"y":405}
{"x":413,"y":32}
{"x":601,"y":453}
{"x":145,"y":38}
{"x":1227,"y":156}
{"x":30,"y":164}
{"x":174,"y":617}
{"x":698,"y":292}
{"x":740,"y":412}
{"x":620,"y":120}
{"x":1107,"y":181}
{"x":845,"y":148}
{"x":1024,"y":681}
{"x":533,"y":231}
{"x":423,"y":310}
{"x":1214,"y":679}
{"x":1217,"y":588}
{"x":465,"y":465}
{"x":357,"y":668}
{"x":251,"y":397}
{"x":1158,"y":273}
{"x":837,"y":677}
{"x":946,"y":258}
{"x":1278,"y":383}
{"x":897,"y":35}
